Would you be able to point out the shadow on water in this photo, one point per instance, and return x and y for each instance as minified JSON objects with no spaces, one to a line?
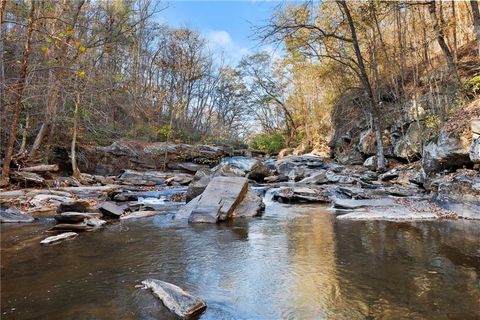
{"x":295,"y":262}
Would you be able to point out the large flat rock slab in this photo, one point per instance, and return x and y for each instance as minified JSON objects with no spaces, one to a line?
{"x":364,"y":203}
{"x":177,"y":300}
{"x":219,"y":200}
{"x":393,"y":210}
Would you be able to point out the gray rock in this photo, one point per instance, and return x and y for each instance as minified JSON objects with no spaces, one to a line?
{"x":371,"y":163}
{"x":180,"y":302}
{"x":316,"y":178}
{"x":445,"y":153}
{"x":259,"y":172}
{"x":219,"y":199}
{"x":355,"y":204}
{"x":474,"y":152}
{"x":59,"y":238}
{"x":251,"y":206}
{"x":13,"y":215}
{"x":409,"y":145}
{"x":366,"y":145}
{"x":111,"y":209}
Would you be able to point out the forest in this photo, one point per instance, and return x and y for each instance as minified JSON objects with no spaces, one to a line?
{"x":158,"y":161}
{"x":92,"y":72}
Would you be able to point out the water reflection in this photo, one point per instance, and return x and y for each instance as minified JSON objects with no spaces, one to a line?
{"x":297,"y":262}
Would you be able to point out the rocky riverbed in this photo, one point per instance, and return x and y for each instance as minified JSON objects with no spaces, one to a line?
{"x":235,"y":190}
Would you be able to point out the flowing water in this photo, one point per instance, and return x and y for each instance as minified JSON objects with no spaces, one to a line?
{"x":296,"y":262}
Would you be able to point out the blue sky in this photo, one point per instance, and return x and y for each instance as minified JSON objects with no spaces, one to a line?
{"x":226,"y":25}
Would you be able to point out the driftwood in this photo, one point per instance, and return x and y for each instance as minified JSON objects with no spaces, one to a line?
{"x":41,"y":168}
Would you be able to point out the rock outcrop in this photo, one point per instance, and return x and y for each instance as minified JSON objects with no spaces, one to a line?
{"x":147,"y":156}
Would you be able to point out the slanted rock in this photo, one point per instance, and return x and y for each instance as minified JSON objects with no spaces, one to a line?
{"x":219,"y":199}
{"x":13,"y":215}
{"x":251,"y":206}
{"x":59,"y":238}
{"x":180,"y":302}
{"x":111,"y":209}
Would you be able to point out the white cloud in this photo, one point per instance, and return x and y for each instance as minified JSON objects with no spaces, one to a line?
{"x":221,"y":42}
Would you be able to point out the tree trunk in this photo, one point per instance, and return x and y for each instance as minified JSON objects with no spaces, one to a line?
{"x":476,"y":22}
{"x":76,"y":171}
{"x":441,"y":39}
{"x":18,"y":100}
{"x":372,"y":105}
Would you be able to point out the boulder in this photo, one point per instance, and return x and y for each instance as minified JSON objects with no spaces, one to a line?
{"x":352,"y":157}
{"x":180,"y":302}
{"x":446,"y":153}
{"x":187,"y":166}
{"x":59,"y":238}
{"x":474,"y":152}
{"x":111,"y":209}
{"x":371,"y":163}
{"x":13,"y":215}
{"x":366,"y":145}
{"x":75,"y":217}
{"x":460,"y":192}
{"x":219,"y":200}
{"x":251,"y":206}
{"x":74,"y":206}
{"x":409,"y":145}
{"x":259,"y":172}
{"x":203,"y":177}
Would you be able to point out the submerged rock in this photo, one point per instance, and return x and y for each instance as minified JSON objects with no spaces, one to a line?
{"x":13,"y":215}
{"x":58,"y":238}
{"x":141,"y":214}
{"x":180,"y":302}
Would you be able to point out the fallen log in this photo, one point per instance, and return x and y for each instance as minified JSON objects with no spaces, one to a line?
{"x":41,"y":168}
{"x":27,"y":177}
